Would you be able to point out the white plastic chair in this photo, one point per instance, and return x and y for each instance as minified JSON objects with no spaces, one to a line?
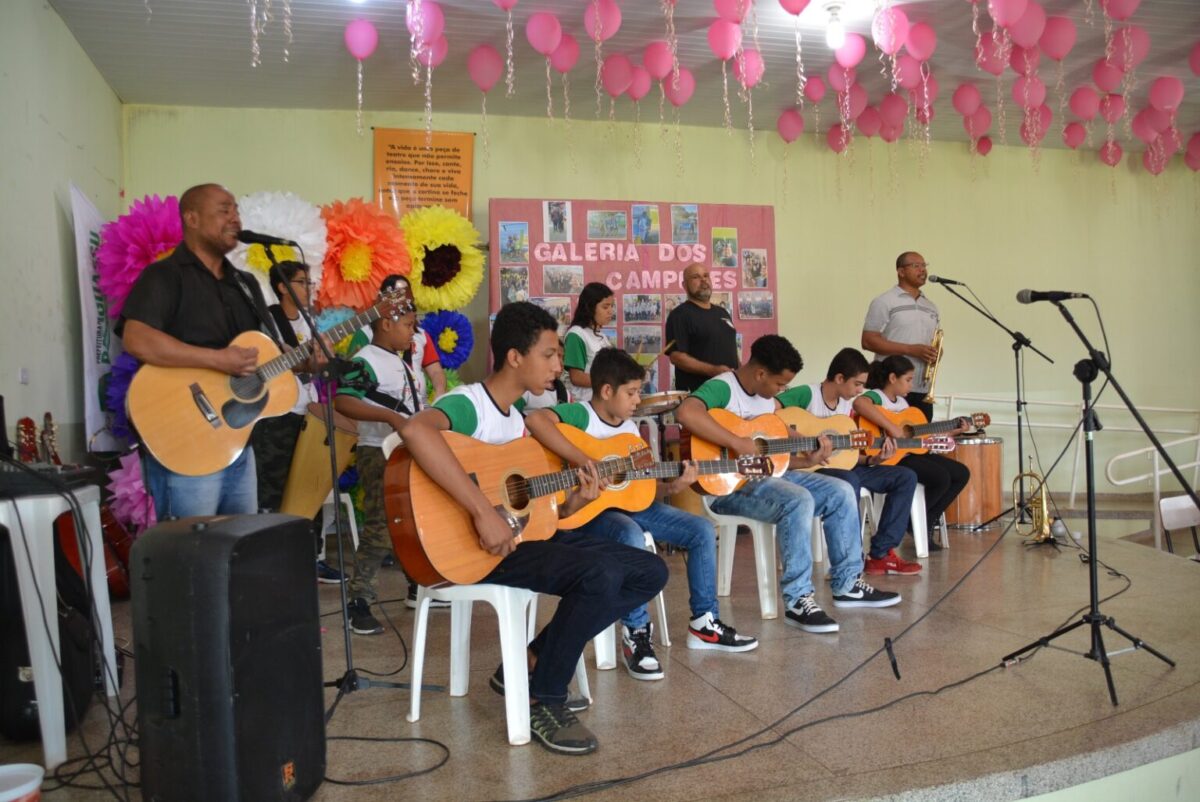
{"x":511,"y":605}
{"x":866,"y":520}
{"x":1178,"y":512}
{"x":348,"y":506}
{"x":605,"y":644}
{"x":764,"y":556}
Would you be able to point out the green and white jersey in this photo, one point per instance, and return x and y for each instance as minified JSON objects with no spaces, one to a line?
{"x":472,"y":411}
{"x":584,"y":417}
{"x":579,"y":349}
{"x":726,"y":392}
{"x":880,"y":400}
{"x":384,"y":371}
{"x":808,"y":397}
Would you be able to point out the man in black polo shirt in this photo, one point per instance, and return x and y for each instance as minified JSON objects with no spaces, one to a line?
{"x":183,"y":311}
{"x":703,"y":342}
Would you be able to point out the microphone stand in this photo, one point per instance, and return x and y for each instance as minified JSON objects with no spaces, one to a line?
{"x":1019,"y":341}
{"x":1086,"y":370}
{"x":351,"y":680}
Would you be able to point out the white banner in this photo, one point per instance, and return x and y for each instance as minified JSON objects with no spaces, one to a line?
{"x":100,"y":345}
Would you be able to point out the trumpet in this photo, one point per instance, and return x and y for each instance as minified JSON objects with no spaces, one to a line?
{"x":1038,"y":530}
{"x":931,"y":368}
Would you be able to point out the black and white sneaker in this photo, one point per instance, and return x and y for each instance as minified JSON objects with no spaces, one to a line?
{"x":434,"y":604}
{"x":640,"y":659}
{"x":863,"y":595}
{"x":807,"y":615}
{"x":556,"y":728}
{"x":576,"y":704}
{"x":707,"y":632}
{"x":361,"y":620}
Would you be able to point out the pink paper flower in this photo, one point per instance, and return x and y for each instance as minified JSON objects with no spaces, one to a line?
{"x":130,"y":502}
{"x":148,"y":232}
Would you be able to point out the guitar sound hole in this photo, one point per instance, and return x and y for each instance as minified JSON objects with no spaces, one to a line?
{"x":617,"y":479}
{"x":516,"y":490}
{"x":246,"y":387}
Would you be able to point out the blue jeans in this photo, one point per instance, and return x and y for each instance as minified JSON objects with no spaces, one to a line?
{"x":899,"y":484}
{"x":229,"y":491}
{"x":669,"y":525}
{"x":837,"y":506}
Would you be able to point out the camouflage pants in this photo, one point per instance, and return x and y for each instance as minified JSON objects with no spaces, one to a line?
{"x":274,"y":441}
{"x":374,"y":542}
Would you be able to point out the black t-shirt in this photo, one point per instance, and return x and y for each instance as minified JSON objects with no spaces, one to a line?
{"x":704,"y":334}
{"x":178,"y":295}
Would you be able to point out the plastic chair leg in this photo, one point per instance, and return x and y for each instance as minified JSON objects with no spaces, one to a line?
{"x":460,"y":646}
{"x":920,"y":526}
{"x":420,"y":628}
{"x":764,"y":563}
{"x":726,"y":541}
{"x":516,"y":667}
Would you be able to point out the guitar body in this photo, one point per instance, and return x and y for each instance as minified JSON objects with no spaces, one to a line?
{"x":809,"y":425}
{"x":763,"y":427}
{"x":905,"y":419}
{"x":434,"y":537}
{"x":193,"y":421}
{"x":621,"y":493}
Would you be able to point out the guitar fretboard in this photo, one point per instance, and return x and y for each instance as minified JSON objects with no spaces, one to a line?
{"x":548,"y":483}
{"x":937,"y":427}
{"x":791,"y":445}
{"x":297,"y":356}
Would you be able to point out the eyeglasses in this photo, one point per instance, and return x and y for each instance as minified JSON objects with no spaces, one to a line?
{"x":304,"y":283}
{"x":917,"y":264}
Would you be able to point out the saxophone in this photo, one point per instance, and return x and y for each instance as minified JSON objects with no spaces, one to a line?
{"x":931,"y":368}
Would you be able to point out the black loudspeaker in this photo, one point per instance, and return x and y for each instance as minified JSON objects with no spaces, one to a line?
{"x":227,"y":643}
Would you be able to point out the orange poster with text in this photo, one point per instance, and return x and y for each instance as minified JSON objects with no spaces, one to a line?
{"x":409,"y":175}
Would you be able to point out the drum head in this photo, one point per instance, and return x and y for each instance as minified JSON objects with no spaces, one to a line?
{"x":658,"y":403}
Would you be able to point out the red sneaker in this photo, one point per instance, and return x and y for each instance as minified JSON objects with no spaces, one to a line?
{"x":891,"y":564}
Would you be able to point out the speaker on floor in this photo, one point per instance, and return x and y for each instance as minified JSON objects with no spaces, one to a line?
{"x":228,"y":659}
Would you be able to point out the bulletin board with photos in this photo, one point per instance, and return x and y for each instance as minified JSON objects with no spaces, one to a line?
{"x":545,"y":251}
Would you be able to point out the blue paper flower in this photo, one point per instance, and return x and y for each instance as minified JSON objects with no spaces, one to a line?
{"x":452,"y":335}
{"x":114,"y":393}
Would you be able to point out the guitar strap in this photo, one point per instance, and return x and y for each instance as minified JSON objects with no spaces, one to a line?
{"x":397,"y":404}
{"x":265,"y":322}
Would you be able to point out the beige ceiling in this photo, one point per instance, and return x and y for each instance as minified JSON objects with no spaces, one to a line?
{"x":198,"y":52}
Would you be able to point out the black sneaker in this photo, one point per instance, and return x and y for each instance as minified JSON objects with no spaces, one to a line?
{"x":576,"y":704}
{"x":640,"y":659}
{"x":328,"y":575}
{"x":388,"y":560}
{"x":361,"y":620}
{"x":863,"y":595}
{"x":434,"y":604}
{"x":808,"y":616}
{"x":557,"y":729}
{"x":707,"y":632}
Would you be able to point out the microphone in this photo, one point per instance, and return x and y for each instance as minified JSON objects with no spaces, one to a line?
{"x":941,"y":280}
{"x":254,"y":238}
{"x":1033,"y":296}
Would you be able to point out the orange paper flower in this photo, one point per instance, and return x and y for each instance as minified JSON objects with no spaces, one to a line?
{"x":364,"y":246}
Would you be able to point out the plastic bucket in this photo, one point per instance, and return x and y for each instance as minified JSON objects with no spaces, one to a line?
{"x":21,"y":782}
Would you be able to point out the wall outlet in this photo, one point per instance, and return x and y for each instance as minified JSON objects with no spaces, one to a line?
{"x":23,"y":375}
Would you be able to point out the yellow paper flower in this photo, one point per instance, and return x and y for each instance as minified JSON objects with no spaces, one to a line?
{"x":447,"y":265}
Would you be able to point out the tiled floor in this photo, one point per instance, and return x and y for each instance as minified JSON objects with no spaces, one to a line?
{"x":1029,"y":728}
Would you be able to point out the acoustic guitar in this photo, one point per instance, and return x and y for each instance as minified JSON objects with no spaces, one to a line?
{"x":196,"y":421}
{"x":49,"y":439}
{"x":116,"y":539}
{"x":27,"y":440}
{"x":921,"y":437}
{"x":633,"y":475}
{"x":775,"y":441}
{"x":803,"y":422}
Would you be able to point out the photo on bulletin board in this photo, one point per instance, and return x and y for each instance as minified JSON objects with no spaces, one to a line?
{"x":641,"y":309}
{"x":756,"y":305}
{"x":685,"y":223}
{"x":556,"y":220}
{"x":645,"y":224}
{"x":514,"y":284}
{"x":724,"y":299}
{"x":644,"y":343}
{"x":559,"y":309}
{"x":670,"y":301}
{"x":514,"y":243}
{"x":562,"y":279}
{"x":740,"y":343}
{"x":650,"y":385}
{"x":724,"y":247}
{"x":607,"y":224}
{"x":610,"y":333}
{"x":754,"y":268}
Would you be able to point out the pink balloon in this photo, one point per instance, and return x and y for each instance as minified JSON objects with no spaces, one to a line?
{"x":724,"y":38}
{"x":839,"y":78}
{"x":1171,"y":141}
{"x":837,"y":137}
{"x":889,"y":133}
{"x":925,"y":115}
{"x":430,"y":18}
{"x":855,"y":100}
{"x":639,"y":83}
{"x":889,"y":29}
{"x":814,"y":89}
{"x":794,"y":7}
{"x":1025,"y":60}
{"x":1112,"y":107}
{"x":1130,"y":46}
{"x":1035,"y":125}
{"x":908,"y":71}
{"x":1166,"y":93}
{"x":1106,"y":76}
{"x":434,"y":54}
{"x":1153,"y":163}
{"x":989,"y":54}
{"x":544,"y":32}
{"x":1073,"y":135}
{"x":984,"y":145}
{"x":616,"y":74}
{"x":732,"y":10}
{"x":485,"y":65}
{"x":790,"y":125}
{"x":566,"y":54}
{"x":361,"y":38}
{"x":1193,"y":146}
{"x":978,"y":123}
{"x":852,"y":51}
{"x":1192,"y":160}
{"x":505,"y":5}
{"x":1157,"y":119}
{"x":680,"y":92}
{"x":748,"y":68}
{"x":1085,"y":103}
{"x":1119,"y":9}
{"x":930,"y":87}
{"x":657,"y":59}
{"x":1110,"y":153}
{"x":1194,"y":59}
{"x":922,"y":41}
{"x":1028,"y":93}
{"x":966,"y":99}
{"x":1007,"y":12}
{"x":869,"y":122}
{"x":1142,"y":129}
{"x":601,"y":19}
{"x":893,"y":109}
{"x":1028,"y":29}
{"x":1058,"y":38}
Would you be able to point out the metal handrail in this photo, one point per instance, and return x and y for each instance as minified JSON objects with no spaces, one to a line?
{"x":1156,"y":473}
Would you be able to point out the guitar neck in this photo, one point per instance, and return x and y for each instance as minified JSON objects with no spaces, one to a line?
{"x":549,"y":483}
{"x":672,"y":470}
{"x":936,"y":427}
{"x":901,"y":442}
{"x":297,"y":356}
{"x":792,"y":445}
